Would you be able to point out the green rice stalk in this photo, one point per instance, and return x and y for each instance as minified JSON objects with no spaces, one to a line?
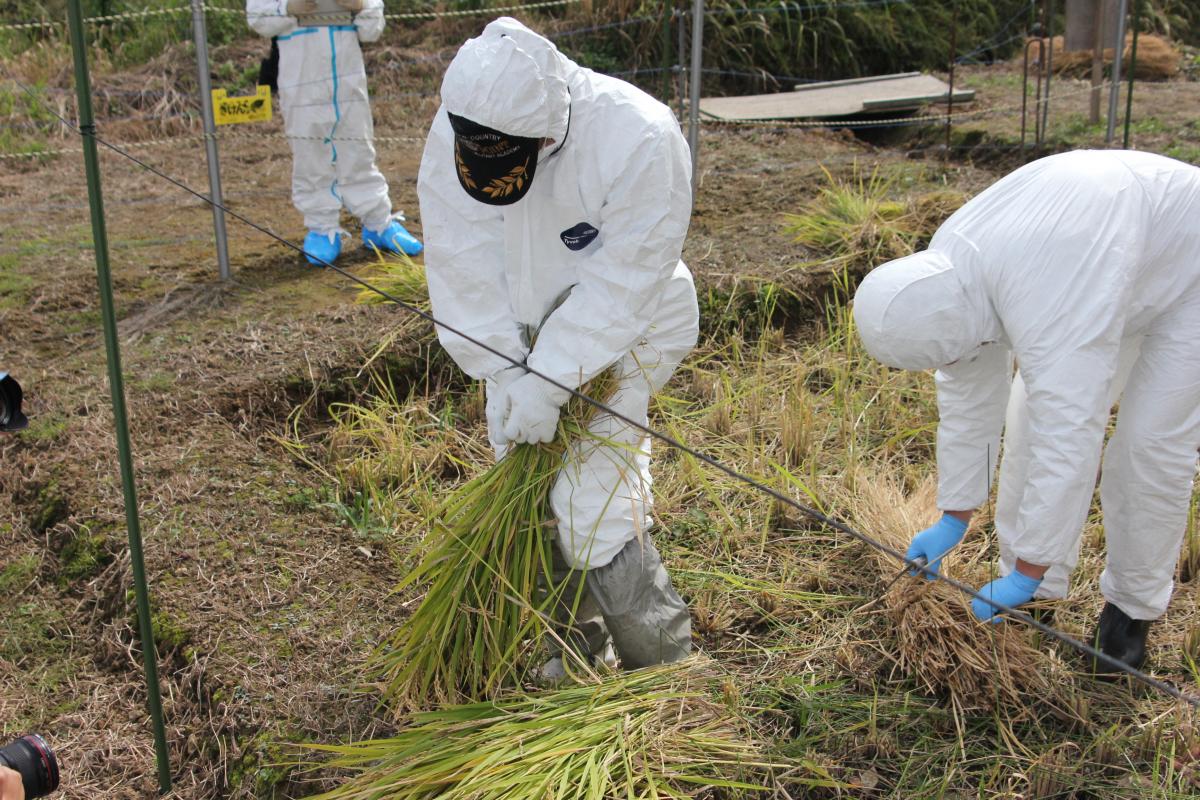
{"x":488,"y":552}
{"x":653,"y":733}
{"x":854,"y":224}
{"x":399,"y":276}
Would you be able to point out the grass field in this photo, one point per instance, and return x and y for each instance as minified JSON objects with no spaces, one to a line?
{"x":863,"y":677}
{"x":293,"y":440}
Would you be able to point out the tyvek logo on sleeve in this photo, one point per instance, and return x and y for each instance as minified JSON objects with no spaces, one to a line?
{"x":578,"y":236}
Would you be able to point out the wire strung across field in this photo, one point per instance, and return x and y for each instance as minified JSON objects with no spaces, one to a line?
{"x":995,"y":41}
{"x":795,"y":8}
{"x":182,"y":9}
{"x":893,"y":122}
{"x":969,"y":58}
{"x":783,"y":8}
{"x":1012,"y":613}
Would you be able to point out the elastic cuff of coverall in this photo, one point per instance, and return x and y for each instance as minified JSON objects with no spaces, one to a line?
{"x":326,"y":230}
{"x":1052,"y":587}
{"x":959,"y":500}
{"x":378,"y":224}
{"x":1132,"y":606}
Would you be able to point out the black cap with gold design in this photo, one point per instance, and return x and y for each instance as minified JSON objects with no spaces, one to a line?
{"x":493,"y":167}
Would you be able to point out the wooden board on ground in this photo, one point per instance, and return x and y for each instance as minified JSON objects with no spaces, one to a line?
{"x":900,"y":93}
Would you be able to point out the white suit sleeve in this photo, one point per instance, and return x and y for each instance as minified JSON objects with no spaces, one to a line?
{"x":369,"y":22}
{"x":269,"y":17}
{"x":972,"y":397}
{"x":464,"y":262}
{"x":643,"y":222}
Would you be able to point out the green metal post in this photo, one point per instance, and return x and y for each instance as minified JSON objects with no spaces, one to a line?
{"x":1137,"y":12}
{"x":666,"y":51}
{"x":91,"y":162}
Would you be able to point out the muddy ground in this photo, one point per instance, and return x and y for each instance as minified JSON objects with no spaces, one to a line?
{"x":265,"y":601}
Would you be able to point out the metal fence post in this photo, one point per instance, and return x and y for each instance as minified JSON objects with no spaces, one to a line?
{"x":1137,"y":13}
{"x":681,"y":16}
{"x":116,"y":386}
{"x":1114,"y":91}
{"x":1048,"y":26}
{"x":200,"y":34}
{"x":953,"y":58}
{"x":666,"y":52}
{"x":694,"y":99}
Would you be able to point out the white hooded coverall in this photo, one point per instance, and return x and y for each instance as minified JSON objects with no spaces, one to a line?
{"x":591,"y":255}
{"x":327,"y":115}
{"x":1085,"y":267}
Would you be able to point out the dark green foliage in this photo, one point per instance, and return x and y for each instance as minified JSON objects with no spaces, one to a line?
{"x":807,"y":39}
{"x":1178,"y":19}
{"x":748,"y":41}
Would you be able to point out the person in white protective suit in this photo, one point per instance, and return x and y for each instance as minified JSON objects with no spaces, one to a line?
{"x":1085,"y":268}
{"x":555,"y":203}
{"x":327,"y":119}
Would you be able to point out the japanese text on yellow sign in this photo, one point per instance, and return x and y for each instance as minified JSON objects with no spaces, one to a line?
{"x":232,"y":110}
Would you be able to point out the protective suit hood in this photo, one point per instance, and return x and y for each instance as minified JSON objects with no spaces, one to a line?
{"x":510,"y":79}
{"x":917,"y":313}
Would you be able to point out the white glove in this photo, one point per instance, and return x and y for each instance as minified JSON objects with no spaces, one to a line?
{"x":533,"y":409}
{"x":301,"y":8}
{"x":496,"y":408}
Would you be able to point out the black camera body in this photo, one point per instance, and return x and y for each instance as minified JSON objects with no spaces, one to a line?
{"x":35,"y":761}
{"x":11,"y":418}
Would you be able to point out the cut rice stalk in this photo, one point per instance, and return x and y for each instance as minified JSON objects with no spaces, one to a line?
{"x":653,"y":733}
{"x":489,"y":552}
{"x":938,"y":641}
{"x":400,"y":277}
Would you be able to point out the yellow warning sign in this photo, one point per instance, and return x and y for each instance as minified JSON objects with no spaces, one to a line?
{"x":232,"y":110}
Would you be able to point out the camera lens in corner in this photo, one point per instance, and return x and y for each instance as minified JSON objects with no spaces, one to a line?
{"x":35,"y":761}
{"x":11,"y":418}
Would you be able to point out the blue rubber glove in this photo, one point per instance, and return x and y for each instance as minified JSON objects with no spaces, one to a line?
{"x":935,"y":541}
{"x":1013,"y":590}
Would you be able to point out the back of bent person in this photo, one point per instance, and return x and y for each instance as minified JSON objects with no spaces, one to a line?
{"x":1082,"y":270}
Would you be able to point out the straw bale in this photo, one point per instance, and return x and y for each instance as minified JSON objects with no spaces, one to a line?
{"x":1157,"y":58}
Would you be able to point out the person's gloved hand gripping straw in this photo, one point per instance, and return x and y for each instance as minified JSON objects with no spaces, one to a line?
{"x":1014,"y":589}
{"x":533,"y":409}
{"x":936,"y":541}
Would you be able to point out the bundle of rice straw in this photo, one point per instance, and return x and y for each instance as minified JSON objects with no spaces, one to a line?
{"x":399,"y":276}
{"x":653,"y":733}
{"x":1157,"y":58}
{"x":938,"y":641}
{"x":487,"y":566}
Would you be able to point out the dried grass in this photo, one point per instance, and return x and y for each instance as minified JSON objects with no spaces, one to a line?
{"x":938,"y":641}
{"x":1157,"y":58}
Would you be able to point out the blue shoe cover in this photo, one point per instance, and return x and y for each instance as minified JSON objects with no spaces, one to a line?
{"x":392,"y":239}
{"x":321,"y":249}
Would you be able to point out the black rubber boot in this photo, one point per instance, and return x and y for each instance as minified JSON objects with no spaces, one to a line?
{"x":1120,"y":636}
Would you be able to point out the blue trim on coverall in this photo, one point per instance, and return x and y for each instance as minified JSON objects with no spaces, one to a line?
{"x":337,"y":113}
